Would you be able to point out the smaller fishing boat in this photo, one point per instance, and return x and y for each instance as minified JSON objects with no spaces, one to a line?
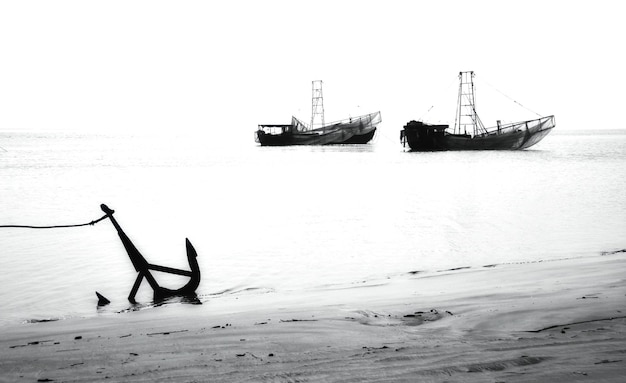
{"x":353,"y":130}
{"x":469,"y":132}
{"x":357,"y":130}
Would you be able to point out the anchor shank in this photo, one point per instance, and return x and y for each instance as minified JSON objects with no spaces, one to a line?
{"x":139,"y":262}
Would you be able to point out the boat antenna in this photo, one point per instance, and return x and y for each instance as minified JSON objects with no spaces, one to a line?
{"x":466,"y":107}
{"x":317,"y":109}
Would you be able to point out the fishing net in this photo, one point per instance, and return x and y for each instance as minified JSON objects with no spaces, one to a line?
{"x":298,"y":126}
{"x":362,"y":123}
{"x":533,"y":126}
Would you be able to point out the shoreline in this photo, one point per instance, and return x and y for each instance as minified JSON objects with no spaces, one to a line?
{"x":544,"y":321}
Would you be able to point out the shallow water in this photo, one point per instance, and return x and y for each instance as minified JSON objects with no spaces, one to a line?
{"x":292,"y":218}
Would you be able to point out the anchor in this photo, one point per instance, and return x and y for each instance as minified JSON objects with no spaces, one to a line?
{"x":143,"y":267}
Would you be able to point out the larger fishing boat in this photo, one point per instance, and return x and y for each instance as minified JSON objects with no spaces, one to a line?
{"x":353,"y":130}
{"x":469,"y":133}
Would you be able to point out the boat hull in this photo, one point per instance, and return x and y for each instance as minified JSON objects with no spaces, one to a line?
{"x":331,"y":138}
{"x":425,"y":137}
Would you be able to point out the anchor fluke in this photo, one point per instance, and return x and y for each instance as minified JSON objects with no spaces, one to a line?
{"x":102,"y":301}
{"x":192,"y":256}
{"x":194,"y":281}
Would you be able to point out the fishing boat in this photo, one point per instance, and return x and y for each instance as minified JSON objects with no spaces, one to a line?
{"x":353,"y":130}
{"x":469,"y":133}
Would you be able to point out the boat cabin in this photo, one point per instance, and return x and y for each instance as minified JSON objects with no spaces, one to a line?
{"x":276,"y":128}
{"x":421,"y":136}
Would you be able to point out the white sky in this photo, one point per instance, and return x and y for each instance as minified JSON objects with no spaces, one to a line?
{"x":226,"y":66}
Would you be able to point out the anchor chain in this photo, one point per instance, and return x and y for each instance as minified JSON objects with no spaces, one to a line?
{"x":55,"y":226}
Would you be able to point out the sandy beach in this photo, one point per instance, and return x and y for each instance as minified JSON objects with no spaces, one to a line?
{"x":557,"y":321}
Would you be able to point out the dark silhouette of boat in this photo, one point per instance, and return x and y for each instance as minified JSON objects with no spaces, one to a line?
{"x":422,"y":136}
{"x":354,"y":130}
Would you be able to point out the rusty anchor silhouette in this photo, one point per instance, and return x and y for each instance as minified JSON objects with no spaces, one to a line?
{"x":143,"y":267}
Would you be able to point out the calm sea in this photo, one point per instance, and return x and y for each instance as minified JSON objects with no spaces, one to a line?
{"x":291,"y":218}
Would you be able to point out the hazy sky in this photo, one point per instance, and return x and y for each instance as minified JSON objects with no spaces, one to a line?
{"x":226,"y":66}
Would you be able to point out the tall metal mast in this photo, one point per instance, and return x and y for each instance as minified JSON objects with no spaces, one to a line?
{"x":466,"y":107}
{"x":317,"y":109}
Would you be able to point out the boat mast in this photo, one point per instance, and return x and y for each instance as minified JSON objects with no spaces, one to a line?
{"x":466,"y":107}
{"x":317,"y":109}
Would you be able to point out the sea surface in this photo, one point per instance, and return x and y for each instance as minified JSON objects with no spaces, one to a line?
{"x":291,"y":219}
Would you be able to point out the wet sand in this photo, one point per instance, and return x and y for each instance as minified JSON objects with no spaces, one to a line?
{"x":558,"y":321}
